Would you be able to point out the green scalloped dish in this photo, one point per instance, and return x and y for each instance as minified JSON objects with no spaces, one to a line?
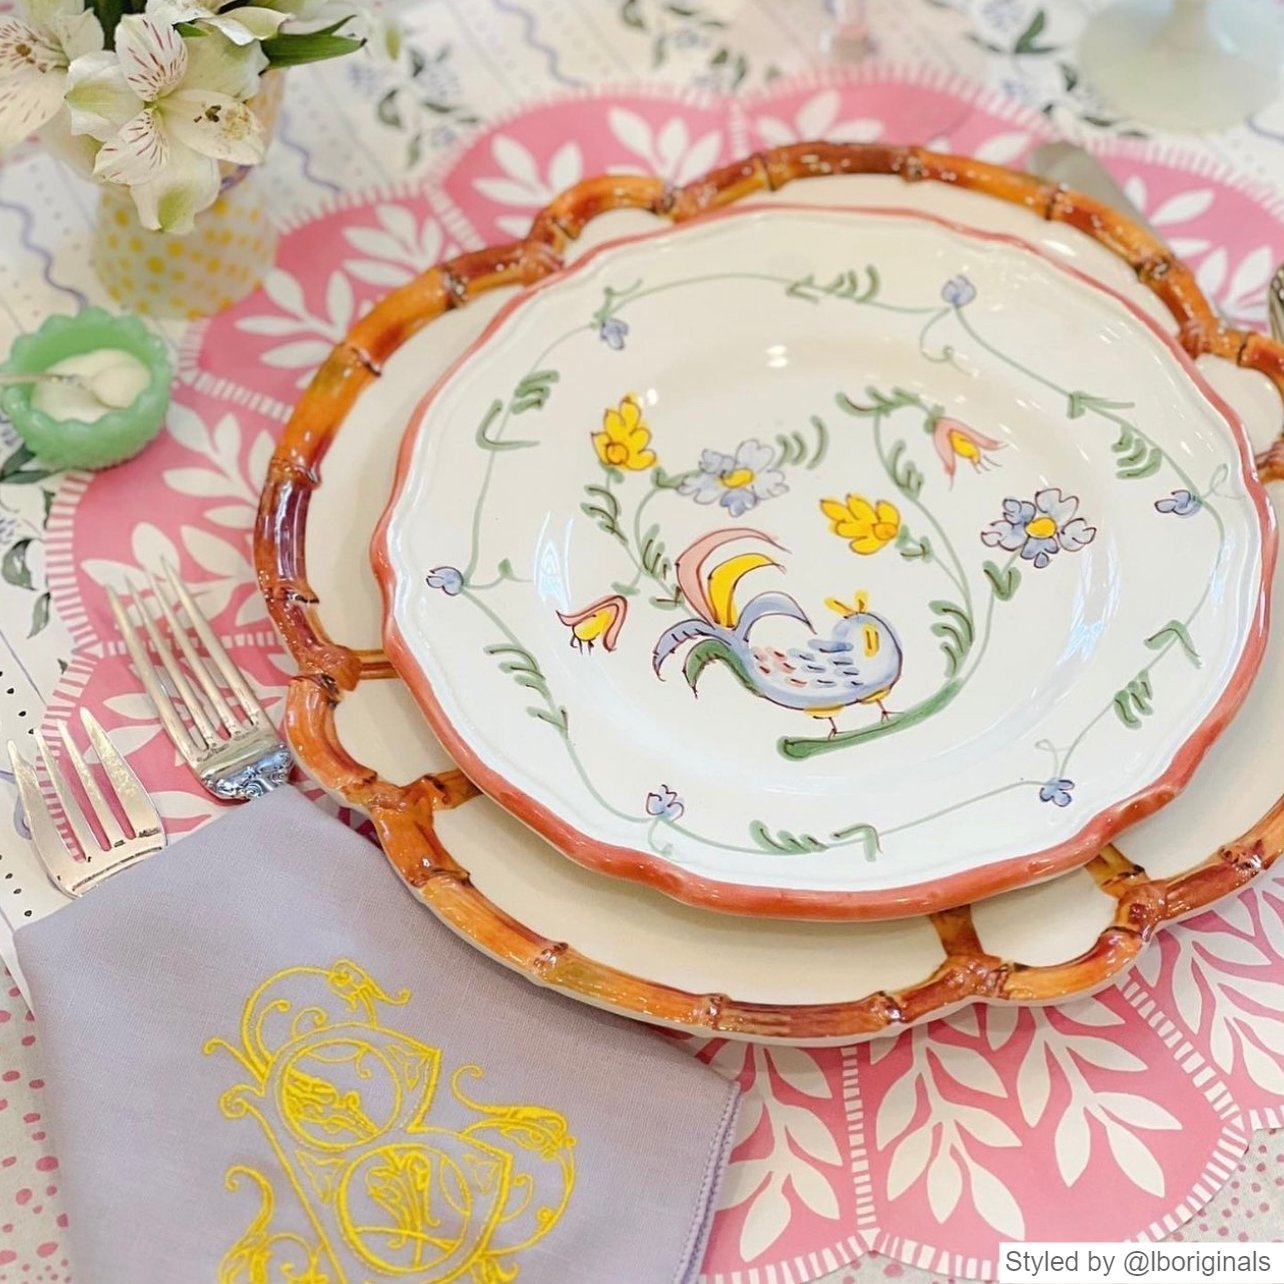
{"x":116,"y":436}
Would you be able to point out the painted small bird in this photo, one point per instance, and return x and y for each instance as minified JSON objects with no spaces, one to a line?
{"x":858,"y":663}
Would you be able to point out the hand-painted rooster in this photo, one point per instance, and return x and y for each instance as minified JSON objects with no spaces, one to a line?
{"x":858,"y":663}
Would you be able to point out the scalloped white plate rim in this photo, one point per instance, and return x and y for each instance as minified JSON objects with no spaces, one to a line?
{"x":539,"y":804}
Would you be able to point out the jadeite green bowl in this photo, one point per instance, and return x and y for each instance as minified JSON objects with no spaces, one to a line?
{"x":119,"y":434}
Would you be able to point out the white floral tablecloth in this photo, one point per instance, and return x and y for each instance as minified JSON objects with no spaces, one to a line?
{"x":352,"y":126}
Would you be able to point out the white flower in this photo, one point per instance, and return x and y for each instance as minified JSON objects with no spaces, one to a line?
{"x":242,"y":26}
{"x":35,"y":53}
{"x":167,"y":110}
{"x":737,"y":482}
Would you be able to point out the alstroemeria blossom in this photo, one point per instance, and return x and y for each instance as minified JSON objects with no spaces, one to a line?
{"x":167,"y":109}
{"x":35,"y":52}
{"x":242,"y":26}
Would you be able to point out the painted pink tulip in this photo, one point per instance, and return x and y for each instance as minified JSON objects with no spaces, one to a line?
{"x":599,"y":622}
{"x":954,"y":440}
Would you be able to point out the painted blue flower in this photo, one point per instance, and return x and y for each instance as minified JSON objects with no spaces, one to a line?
{"x":737,"y":482}
{"x":958,"y":291}
{"x":1041,"y":528}
{"x":363,"y":75}
{"x":1019,"y":89}
{"x":1057,"y":792}
{"x":664,"y":804}
{"x":1002,"y":15}
{"x":613,"y":332}
{"x":690,"y":38}
{"x":446,"y":578}
{"x":1181,"y":503}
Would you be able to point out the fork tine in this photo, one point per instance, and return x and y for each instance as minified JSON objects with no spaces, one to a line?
{"x":72,"y":811}
{"x":138,"y":807}
{"x":186,"y":692}
{"x":161,"y":702}
{"x":51,"y":850}
{"x":195,"y":664}
{"x":202,"y":732}
{"x":97,"y":803}
{"x":214,"y":649}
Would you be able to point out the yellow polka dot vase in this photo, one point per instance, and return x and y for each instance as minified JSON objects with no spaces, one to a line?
{"x":225,"y":256}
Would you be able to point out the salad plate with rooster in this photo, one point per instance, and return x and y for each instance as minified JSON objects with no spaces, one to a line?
{"x":829,"y":563}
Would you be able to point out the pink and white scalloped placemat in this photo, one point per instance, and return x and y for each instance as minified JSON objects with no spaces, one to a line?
{"x":1124,"y":1112}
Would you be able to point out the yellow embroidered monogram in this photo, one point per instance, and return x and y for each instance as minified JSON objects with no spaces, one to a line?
{"x":361,"y":1186}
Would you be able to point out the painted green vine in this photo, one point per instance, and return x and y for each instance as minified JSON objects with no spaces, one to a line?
{"x":963,"y":619}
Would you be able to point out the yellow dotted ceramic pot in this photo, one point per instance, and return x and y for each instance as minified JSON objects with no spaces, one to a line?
{"x":224,"y":257}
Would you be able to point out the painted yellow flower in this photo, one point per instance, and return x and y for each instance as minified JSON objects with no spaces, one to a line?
{"x":868,"y":526}
{"x":625,"y":439}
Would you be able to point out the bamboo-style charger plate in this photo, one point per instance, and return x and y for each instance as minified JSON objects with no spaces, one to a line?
{"x":629,"y":949}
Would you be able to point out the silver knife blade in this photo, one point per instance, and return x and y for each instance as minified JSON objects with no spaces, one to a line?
{"x":1070,"y":164}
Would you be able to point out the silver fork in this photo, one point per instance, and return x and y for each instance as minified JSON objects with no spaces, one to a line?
{"x":1275,"y":303}
{"x":236,"y":756}
{"x":75,"y":876}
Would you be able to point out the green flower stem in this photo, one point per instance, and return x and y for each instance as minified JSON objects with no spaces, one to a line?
{"x":661,"y":849}
{"x":967,"y":802}
{"x":619,"y":301}
{"x":497,"y":436}
{"x":956,"y":573}
{"x":946,"y":354}
{"x":499,"y":579}
{"x":636,"y":551}
{"x":612,"y":301}
{"x":557,"y":715}
{"x":961,"y":315}
{"x":978,"y":652}
{"x":1149,"y":666}
{"x":800,"y":747}
{"x":1112,"y":416}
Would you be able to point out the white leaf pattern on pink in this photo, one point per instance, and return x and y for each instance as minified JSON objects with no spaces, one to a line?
{"x":669,"y":151}
{"x":395,"y":251}
{"x":323,"y":328}
{"x":818,"y":117}
{"x":995,"y":1202}
{"x":792,"y":1146}
{"x":940,"y":1144}
{"x":520,"y":182}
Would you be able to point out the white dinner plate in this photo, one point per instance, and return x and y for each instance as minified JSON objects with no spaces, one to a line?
{"x":777,"y":963}
{"x":826,"y":563}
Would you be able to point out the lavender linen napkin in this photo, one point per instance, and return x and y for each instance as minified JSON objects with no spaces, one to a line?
{"x":267,"y":1062}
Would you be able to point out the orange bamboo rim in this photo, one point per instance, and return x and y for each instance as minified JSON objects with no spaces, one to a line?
{"x":404,"y":816}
